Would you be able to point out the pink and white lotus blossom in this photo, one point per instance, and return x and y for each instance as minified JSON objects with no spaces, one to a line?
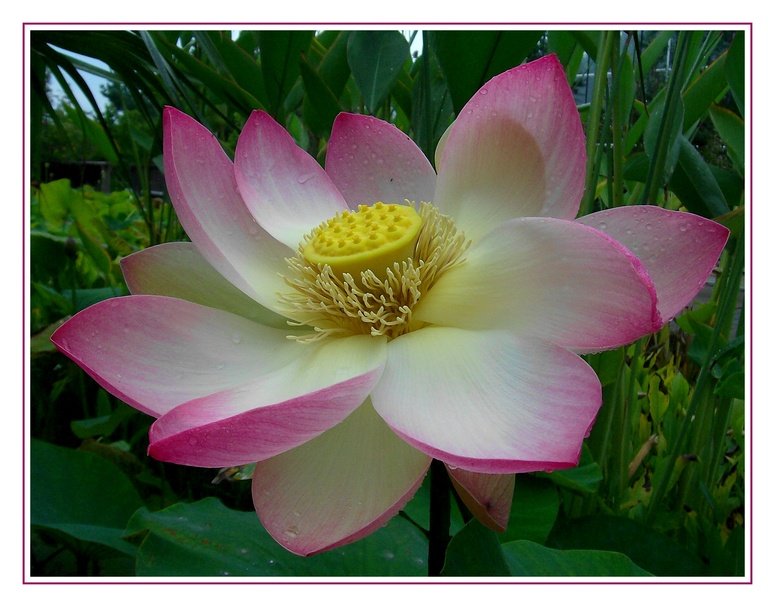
{"x":433,"y":314}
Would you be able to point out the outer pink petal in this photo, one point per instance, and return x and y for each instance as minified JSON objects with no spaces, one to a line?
{"x":177,"y":269}
{"x":339,"y":487}
{"x":200,"y":179}
{"x":157,"y":352}
{"x":488,"y":401}
{"x":286,"y":190}
{"x":679,"y":250}
{"x":487,"y":496}
{"x":274,"y":412}
{"x":516,"y":150}
{"x":371,"y":160}
{"x":557,"y":280}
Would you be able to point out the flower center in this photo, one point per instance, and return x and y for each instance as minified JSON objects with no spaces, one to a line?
{"x":371,"y":238}
{"x":369,"y":285}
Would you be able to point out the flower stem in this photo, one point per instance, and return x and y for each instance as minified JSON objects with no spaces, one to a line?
{"x":439,"y":518}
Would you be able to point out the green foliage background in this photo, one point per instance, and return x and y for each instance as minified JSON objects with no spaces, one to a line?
{"x":660,"y":487}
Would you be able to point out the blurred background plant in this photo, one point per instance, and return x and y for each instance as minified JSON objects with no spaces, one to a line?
{"x":660,"y":487}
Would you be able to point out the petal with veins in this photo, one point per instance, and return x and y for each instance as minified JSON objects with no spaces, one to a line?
{"x":200,"y":179}
{"x":370,"y":160}
{"x":515,"y":150}
{"x":157,"y":352}
{"x":487,"y":496}
{"x":548,"y":278}
{"x":339,"y":487}
{"x":488,"y":401}
{"x":286,"y":190}
{"x":274,"y":412}
{"x":177,"y":269}
{"x":679,"y":250}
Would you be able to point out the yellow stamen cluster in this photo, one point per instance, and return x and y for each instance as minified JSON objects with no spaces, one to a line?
{"x":378,"y":299}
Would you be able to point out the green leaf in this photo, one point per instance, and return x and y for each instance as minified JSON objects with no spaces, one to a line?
{"x":376,"y":59}
{"x":81,"y":494}
{"x":731,"y":129}
{"x":207,"y":539}
{"x":694,"y":183}
{"x":280,"y":53}
{"x":475,"y":551}
{"x":418,"y":508}
{"x":216,"y":84}
{"x":655,"y":50}
{"x":588,"y":41}
{"x":731,"y":184}
{"x":432,"y":109}
{"x":671,"y":137}
{"x":333,"y":68}
{"x":584,"y":478}
{"x":471,"y":58}
{"x":41,"y":343}
{"x":55,"y":202}
{"x":87,"y":297}
{"x":103,"y":425}
{"x":734,"y":70}
{"x":320,"y":104}
{"x":533,"y":510}
{"x":243,"y":68}
{"x":646,"y":547}
{"x":706,"y":89}
{"x":48,"y":256}
{"x":525,"y":558}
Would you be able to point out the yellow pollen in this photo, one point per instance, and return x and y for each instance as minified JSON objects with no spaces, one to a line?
{"x":371,"y":238}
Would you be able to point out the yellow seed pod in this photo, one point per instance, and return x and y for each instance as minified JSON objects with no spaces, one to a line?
{"x":371,"y":238}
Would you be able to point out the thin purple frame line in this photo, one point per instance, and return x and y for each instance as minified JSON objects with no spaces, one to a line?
{"x":750,"y":347}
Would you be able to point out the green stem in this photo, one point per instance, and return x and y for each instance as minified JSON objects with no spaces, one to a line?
{"x":593,"y":122}
{"x":726,"y":308}
{"x":656,"y":172}
{"x":439,"y":518}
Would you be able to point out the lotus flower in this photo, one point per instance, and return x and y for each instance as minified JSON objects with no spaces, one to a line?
{"x":342,"y":327}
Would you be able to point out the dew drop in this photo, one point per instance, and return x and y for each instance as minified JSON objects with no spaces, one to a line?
{"x":236,"y":338}
{"x":603,"y":225}
{"x":683,"y":227}
{"x":483,"y":92}
{"x":305,"y":178}
{"x":291,"y":532}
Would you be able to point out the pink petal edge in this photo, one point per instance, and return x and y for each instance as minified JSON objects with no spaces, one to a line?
{"x":257,"y":434}
{"x":371,"y":160}
{"x":679,"y":250}
{"x":284,"y":188}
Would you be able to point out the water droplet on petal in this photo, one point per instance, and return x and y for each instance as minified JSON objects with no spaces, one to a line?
{"x":236,"y":338}
{"x":483,"y":92}
{"x":291,"y":532}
